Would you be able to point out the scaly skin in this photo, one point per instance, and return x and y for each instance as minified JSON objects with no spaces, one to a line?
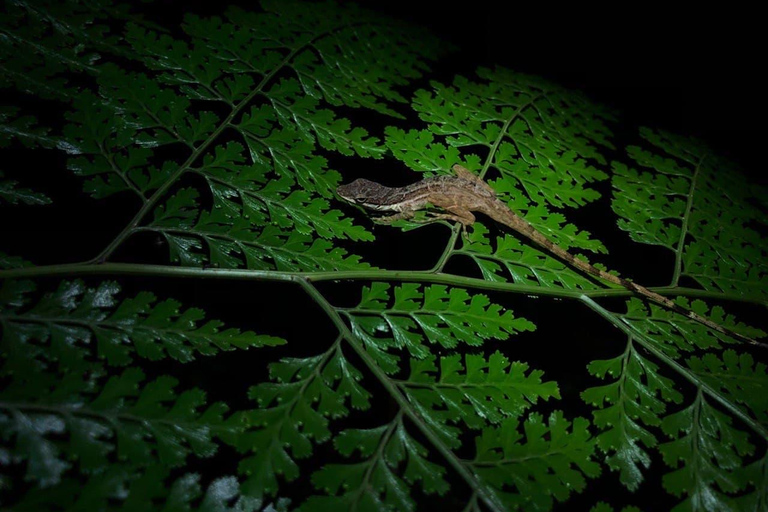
{"x":465,"y":193}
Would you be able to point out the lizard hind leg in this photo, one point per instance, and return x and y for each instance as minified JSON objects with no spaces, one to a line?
{"x":457,"y":214}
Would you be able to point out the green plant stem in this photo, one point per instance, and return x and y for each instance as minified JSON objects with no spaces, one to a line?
{"x":684,"y":226}
{"x":464,"y":472}
{"x":686,"y":373}
{"x":421,"y":276}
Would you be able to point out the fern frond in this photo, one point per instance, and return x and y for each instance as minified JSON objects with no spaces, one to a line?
{"x":378,"y":481}
{"x":539,"y":135}
{"x":524,"y":264}
{"x":738,"y":377}
{"x":74,"y":316}
{"x":706,"y":453}
{"x":675,"y":333}
{"x":12,"y":193}
{"x":477,"y":393}
{"x":435,"y":313}
{"x":294,"y":412}
{"x":627,"y":408}
{"x":227,"y":239}
{"x":690,"y":201}
{"x":140,"y":423}
{"x":531,"y":470}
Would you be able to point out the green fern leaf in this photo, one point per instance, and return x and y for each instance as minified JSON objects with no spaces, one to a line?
{"x":681,"y":201}
{"x":75,"y":314}
{"x":120,"y":485}
{"x":626,"y":408}
{"x":142,"y":423}
{"x":438,"y":314}
{"x":707,"y":452}
{"x":39,"y":51}
{"x":477,"y":393}
{"x":294,"y":412}
{"x":514,"y":116}
{"x":10,"y":192}
{"x":546,"y":463}
{"x":522,"y":263}
{"x":226,"y":240}
{"x":508,"y":112}
{"x":735,"y":376}
{"x":378,"y":482}
{"x":273,"y":202}
{"x":7,"y":261}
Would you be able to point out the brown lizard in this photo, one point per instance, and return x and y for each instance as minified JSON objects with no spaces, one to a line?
{"x":465,"y":193}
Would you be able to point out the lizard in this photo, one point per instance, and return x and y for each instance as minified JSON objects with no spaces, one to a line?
{"x":460,"y":195}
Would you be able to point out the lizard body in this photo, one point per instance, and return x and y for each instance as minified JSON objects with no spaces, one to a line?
{"x":458,"y":196}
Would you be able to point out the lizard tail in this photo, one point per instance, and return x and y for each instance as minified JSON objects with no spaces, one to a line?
{"x":545,"y":243}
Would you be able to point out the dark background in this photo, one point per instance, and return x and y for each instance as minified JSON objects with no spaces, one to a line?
{"x":691,"y":71}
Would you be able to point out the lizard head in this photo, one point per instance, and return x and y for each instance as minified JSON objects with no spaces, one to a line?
{"x":364,"y":192}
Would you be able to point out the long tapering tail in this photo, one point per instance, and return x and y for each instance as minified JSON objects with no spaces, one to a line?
{"x":504,"y":215}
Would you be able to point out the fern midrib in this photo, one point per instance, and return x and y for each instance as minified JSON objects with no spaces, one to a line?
{"x":501,"y":386}
{"x":95,"y":325}
{"x":517,"y":460}
{"x":378,"y":456}
{"x":425,"y":276}
{"x":110,"y":419}
{"x":123,"y":176}
{"x":684,"y":225}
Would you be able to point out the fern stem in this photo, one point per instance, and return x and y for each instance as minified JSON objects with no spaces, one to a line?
{"x":111,"y":418}
{"x":684,"y":226}
{"x":464,"y":472}
{"x":418,"y":276}
{"x":686,"y":373}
